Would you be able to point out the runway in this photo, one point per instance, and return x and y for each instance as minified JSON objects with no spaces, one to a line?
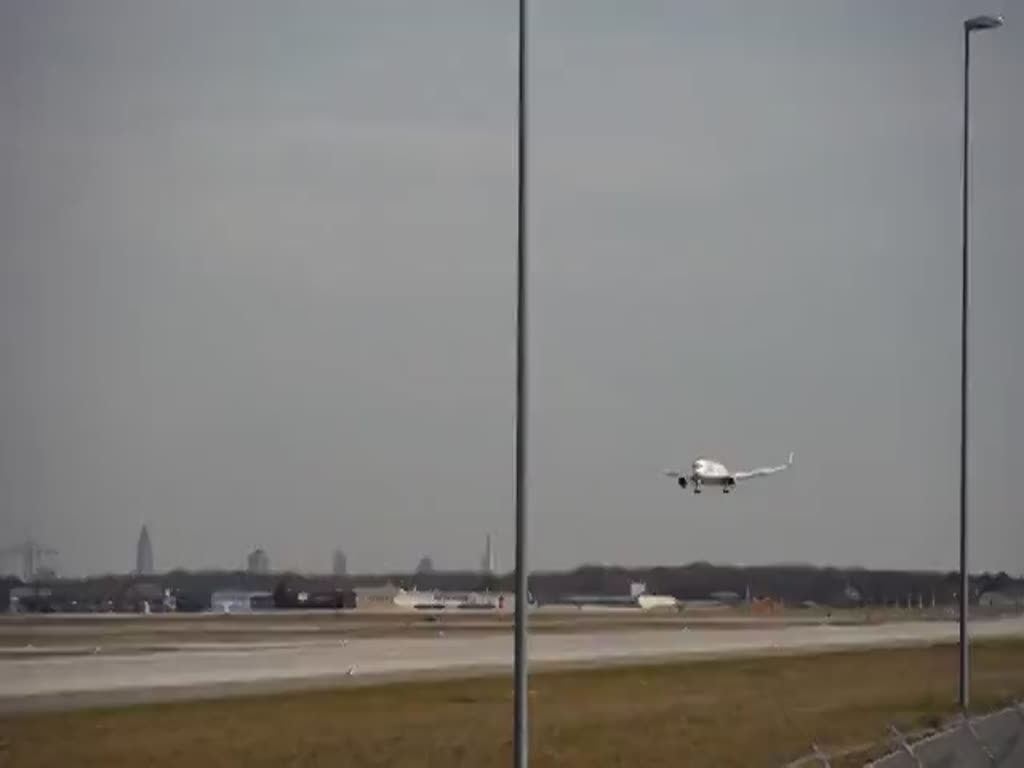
{"x":98,"y":678}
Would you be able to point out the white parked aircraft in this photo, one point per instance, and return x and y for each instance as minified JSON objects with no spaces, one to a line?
{"x":710,"y":472}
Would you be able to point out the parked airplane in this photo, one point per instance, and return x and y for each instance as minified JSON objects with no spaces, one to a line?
{"x":710,"y":472}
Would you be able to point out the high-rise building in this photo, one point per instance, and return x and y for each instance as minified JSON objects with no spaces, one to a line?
{"x":488,"y":564}
{"x":259,"y":561}
{"x":31,"y":554}
{"x":340,"y":563}
{"x":144,"y":553}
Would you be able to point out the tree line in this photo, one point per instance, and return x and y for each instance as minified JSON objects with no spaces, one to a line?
{"x":793,"y":584}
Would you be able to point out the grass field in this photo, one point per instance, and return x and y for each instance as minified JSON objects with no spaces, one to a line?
{"x":752,"y":712}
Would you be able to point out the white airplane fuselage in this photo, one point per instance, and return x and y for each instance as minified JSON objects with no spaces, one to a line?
{"x":709,"y":472}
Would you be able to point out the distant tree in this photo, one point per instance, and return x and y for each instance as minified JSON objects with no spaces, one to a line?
{"x":490,"y":582}
{"x":283,"y":595}
{"x":7,"y":583}
{"x":792,"y":583}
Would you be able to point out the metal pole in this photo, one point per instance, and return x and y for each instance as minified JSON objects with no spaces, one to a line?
{"x":964,"y":576}
{"x":521,"y":736}
{"x":970,"y":25}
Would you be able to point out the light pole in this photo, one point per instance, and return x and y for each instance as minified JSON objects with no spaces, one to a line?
{"x":521,"y":745}
{"x":974,"y":24}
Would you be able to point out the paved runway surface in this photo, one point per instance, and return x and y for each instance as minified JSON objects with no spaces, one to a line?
{"x":98,"y":678}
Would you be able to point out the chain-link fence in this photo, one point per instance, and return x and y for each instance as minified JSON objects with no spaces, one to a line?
{"x":995,"y":740}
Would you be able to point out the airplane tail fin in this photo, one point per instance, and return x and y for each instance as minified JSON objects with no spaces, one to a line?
{"x":790,"y":462}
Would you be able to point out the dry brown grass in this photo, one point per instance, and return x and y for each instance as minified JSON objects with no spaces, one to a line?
{"x":716,"y":713}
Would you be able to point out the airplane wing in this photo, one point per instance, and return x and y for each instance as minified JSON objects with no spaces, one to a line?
{"x":673,"y":473}
{"x":762,"y":471}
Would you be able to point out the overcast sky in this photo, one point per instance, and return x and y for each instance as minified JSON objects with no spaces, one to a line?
{"x":257,"y":280}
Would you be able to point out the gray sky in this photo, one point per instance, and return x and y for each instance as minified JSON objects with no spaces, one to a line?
{"x":257,"y":280}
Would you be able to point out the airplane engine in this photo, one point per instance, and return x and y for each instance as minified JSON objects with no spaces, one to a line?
{"x":682,"y":482}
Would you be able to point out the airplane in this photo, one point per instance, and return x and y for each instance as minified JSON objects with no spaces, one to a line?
{"x":707,"y":471}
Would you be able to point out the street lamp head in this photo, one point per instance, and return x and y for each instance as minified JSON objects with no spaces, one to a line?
{"x":983,"y":22}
